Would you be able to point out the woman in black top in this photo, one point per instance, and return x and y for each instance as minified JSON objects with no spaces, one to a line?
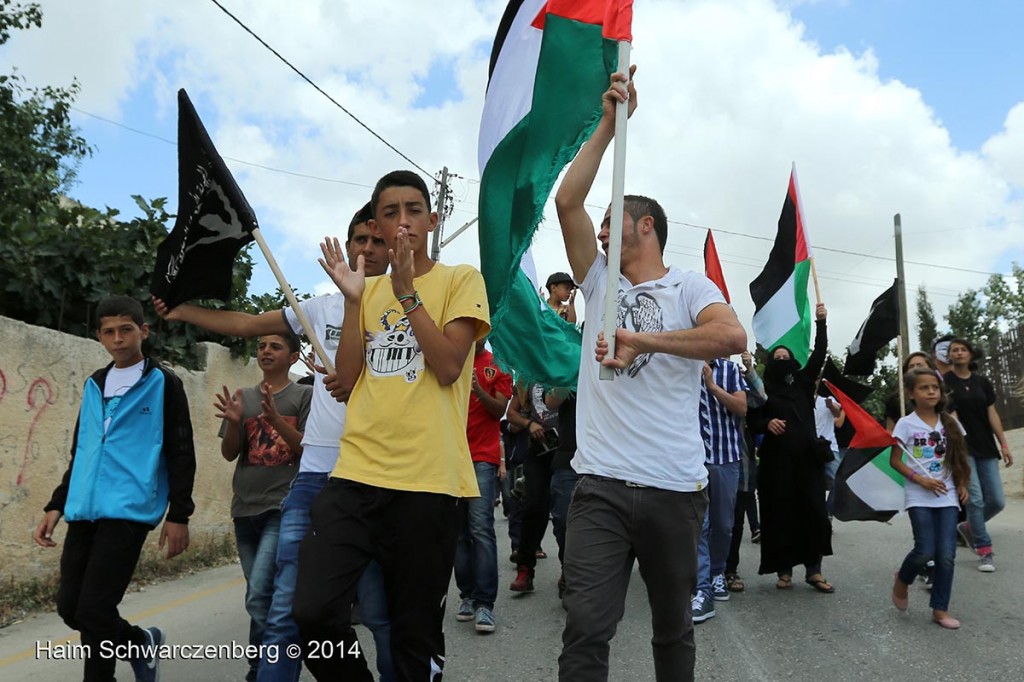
{"x":973,"y":401}
{"x":791,"y":480}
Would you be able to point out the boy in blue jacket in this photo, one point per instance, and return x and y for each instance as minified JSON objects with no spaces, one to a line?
{"x":132,"y":459}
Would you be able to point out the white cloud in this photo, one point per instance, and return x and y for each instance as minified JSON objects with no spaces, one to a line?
{"x":730,"y":94}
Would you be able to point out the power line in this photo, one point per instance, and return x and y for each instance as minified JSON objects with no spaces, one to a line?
{"x":229,"y":158}
{"x":319,"y":89}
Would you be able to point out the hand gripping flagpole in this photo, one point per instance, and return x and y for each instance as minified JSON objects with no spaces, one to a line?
{"x":293,"y":302}
{"x":611,"y":299}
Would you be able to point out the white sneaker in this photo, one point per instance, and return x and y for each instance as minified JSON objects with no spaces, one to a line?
{"x":987,"y":565}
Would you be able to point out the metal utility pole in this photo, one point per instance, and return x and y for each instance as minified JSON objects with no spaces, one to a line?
{"x":435,"y":248}
{"x":902,"y":283}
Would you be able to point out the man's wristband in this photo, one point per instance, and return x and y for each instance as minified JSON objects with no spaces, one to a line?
{"x":416,"y":302}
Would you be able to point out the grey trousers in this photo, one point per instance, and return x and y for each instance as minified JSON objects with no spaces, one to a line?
{"x":610,"y":525}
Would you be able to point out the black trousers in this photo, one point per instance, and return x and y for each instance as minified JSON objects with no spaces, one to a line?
{"x":96,"y":566}
{"x":412,"y":536}
{"x":536,"y":506}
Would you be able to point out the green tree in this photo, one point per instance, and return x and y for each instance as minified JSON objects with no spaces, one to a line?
{"x":59,"y":259}
{"x":927,"y":327}
{"x":980,"y":314}
{"x":39,"y":149}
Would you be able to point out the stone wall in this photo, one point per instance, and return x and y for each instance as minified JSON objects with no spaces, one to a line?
{"x":41,"y":377}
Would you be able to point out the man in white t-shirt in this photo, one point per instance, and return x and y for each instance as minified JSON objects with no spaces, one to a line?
{"x":320,"y":443}
{"x":639,"y":454}
{"x":829,"y":416}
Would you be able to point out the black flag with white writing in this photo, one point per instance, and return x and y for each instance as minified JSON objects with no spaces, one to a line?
{"x":214,"y":220}
{"x":881,"y":327}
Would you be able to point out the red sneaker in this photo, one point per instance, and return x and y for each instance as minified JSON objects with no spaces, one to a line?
{"x":523,"y":581}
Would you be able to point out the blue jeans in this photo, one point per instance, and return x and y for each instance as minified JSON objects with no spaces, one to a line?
{"x":830,"y":473}
{"x":256,"y":537}
{"x":476,"y":553}
{"x":563,"y":482}
{"x":373,"y":610}
{"x":986,"y":499}
{"x":716,"y":533}
{"x":934,"y":539}
{"x":281,"y":628}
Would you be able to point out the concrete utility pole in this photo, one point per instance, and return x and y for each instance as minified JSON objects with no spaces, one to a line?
{"x":902,"y":282}
{"x":435,"y":248}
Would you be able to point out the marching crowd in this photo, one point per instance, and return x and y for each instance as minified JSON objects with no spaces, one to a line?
{"x":379,"y":481}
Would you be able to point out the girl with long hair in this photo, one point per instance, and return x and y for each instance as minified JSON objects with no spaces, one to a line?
{"x":932,"y":457}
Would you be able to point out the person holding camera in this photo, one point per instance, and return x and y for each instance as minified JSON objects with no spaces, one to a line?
{"x":528,"y":411}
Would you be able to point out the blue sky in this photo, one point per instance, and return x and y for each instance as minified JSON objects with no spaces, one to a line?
{"x":966,"y":58}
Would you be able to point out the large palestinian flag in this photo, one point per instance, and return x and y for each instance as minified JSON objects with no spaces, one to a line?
{"x":782,"y":312}
{"x":550,"y":63}
{"x":867,"y":488}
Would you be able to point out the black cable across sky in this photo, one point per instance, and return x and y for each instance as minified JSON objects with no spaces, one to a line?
{"x":319,"y":89}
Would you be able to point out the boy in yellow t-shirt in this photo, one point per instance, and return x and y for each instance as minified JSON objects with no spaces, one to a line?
{"x":404,"y":464}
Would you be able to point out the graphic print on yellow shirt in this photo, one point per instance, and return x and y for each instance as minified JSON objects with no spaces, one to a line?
{"x":393,"y":350}
{"x":404,"y":430}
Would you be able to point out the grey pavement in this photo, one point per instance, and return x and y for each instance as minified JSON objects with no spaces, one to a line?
{"x":761,"y":634}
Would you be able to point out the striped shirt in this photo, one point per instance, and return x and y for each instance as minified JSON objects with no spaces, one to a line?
{"x":721,"y":429}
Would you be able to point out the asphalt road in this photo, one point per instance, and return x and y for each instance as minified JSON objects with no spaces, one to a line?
{"x":761,"y":634}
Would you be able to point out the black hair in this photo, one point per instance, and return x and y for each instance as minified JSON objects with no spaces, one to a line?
{"x":361,"y":216}
{"x":399,"y":178}
{"x":119,"y":306}
{"x":290,"y":339}
{"x":639,"y":207}
{"x":975,"y":352}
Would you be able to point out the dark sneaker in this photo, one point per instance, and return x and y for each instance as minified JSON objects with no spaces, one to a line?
{"x":703,"y":608}
{"x":465,"y":612}
{"x":719,"y":592}
{"x":755,"y":536}
{"x":987,"y":564}
{"x":964,"y":534}
{"x":523,"y":581}
{"x":484,"y":620}
{"x":147,"y":666}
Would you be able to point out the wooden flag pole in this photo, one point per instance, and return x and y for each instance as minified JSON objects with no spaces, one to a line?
{"x":814,"y":278}
{"x":318,"y":348}
{"x":611,"y":298}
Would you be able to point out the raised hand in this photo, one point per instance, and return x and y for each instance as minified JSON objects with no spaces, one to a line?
{"x":619,"y":91}
{"x":819,"y":312}
{"x":403,"y":271}
{"x":229,"y":406}
{"x":309,"y":360}
{"x":350,"y":282}
{"x":268,"y":405}
{"x":748,"y":359}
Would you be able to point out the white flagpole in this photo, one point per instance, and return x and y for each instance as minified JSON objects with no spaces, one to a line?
{"x":293,"y":302}
{"x":611,"y":299}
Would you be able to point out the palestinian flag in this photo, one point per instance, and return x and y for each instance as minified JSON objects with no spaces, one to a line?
{"x":782,"y":311}
{"x":713,"y":266}
{"x":550,"y":64}
{"x":867,"y":488}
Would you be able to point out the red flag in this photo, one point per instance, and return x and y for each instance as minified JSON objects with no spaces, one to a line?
{"x":869,"y":433}
{"x":713,"y":267}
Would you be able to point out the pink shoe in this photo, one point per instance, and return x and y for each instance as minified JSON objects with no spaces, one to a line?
{"x":901,"y":604}
{"x":948,"y":622}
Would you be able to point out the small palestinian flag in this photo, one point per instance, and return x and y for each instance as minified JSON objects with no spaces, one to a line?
{"x":867,"y":487}
{"x":713,"y":266}
{"x":782,"y":311}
